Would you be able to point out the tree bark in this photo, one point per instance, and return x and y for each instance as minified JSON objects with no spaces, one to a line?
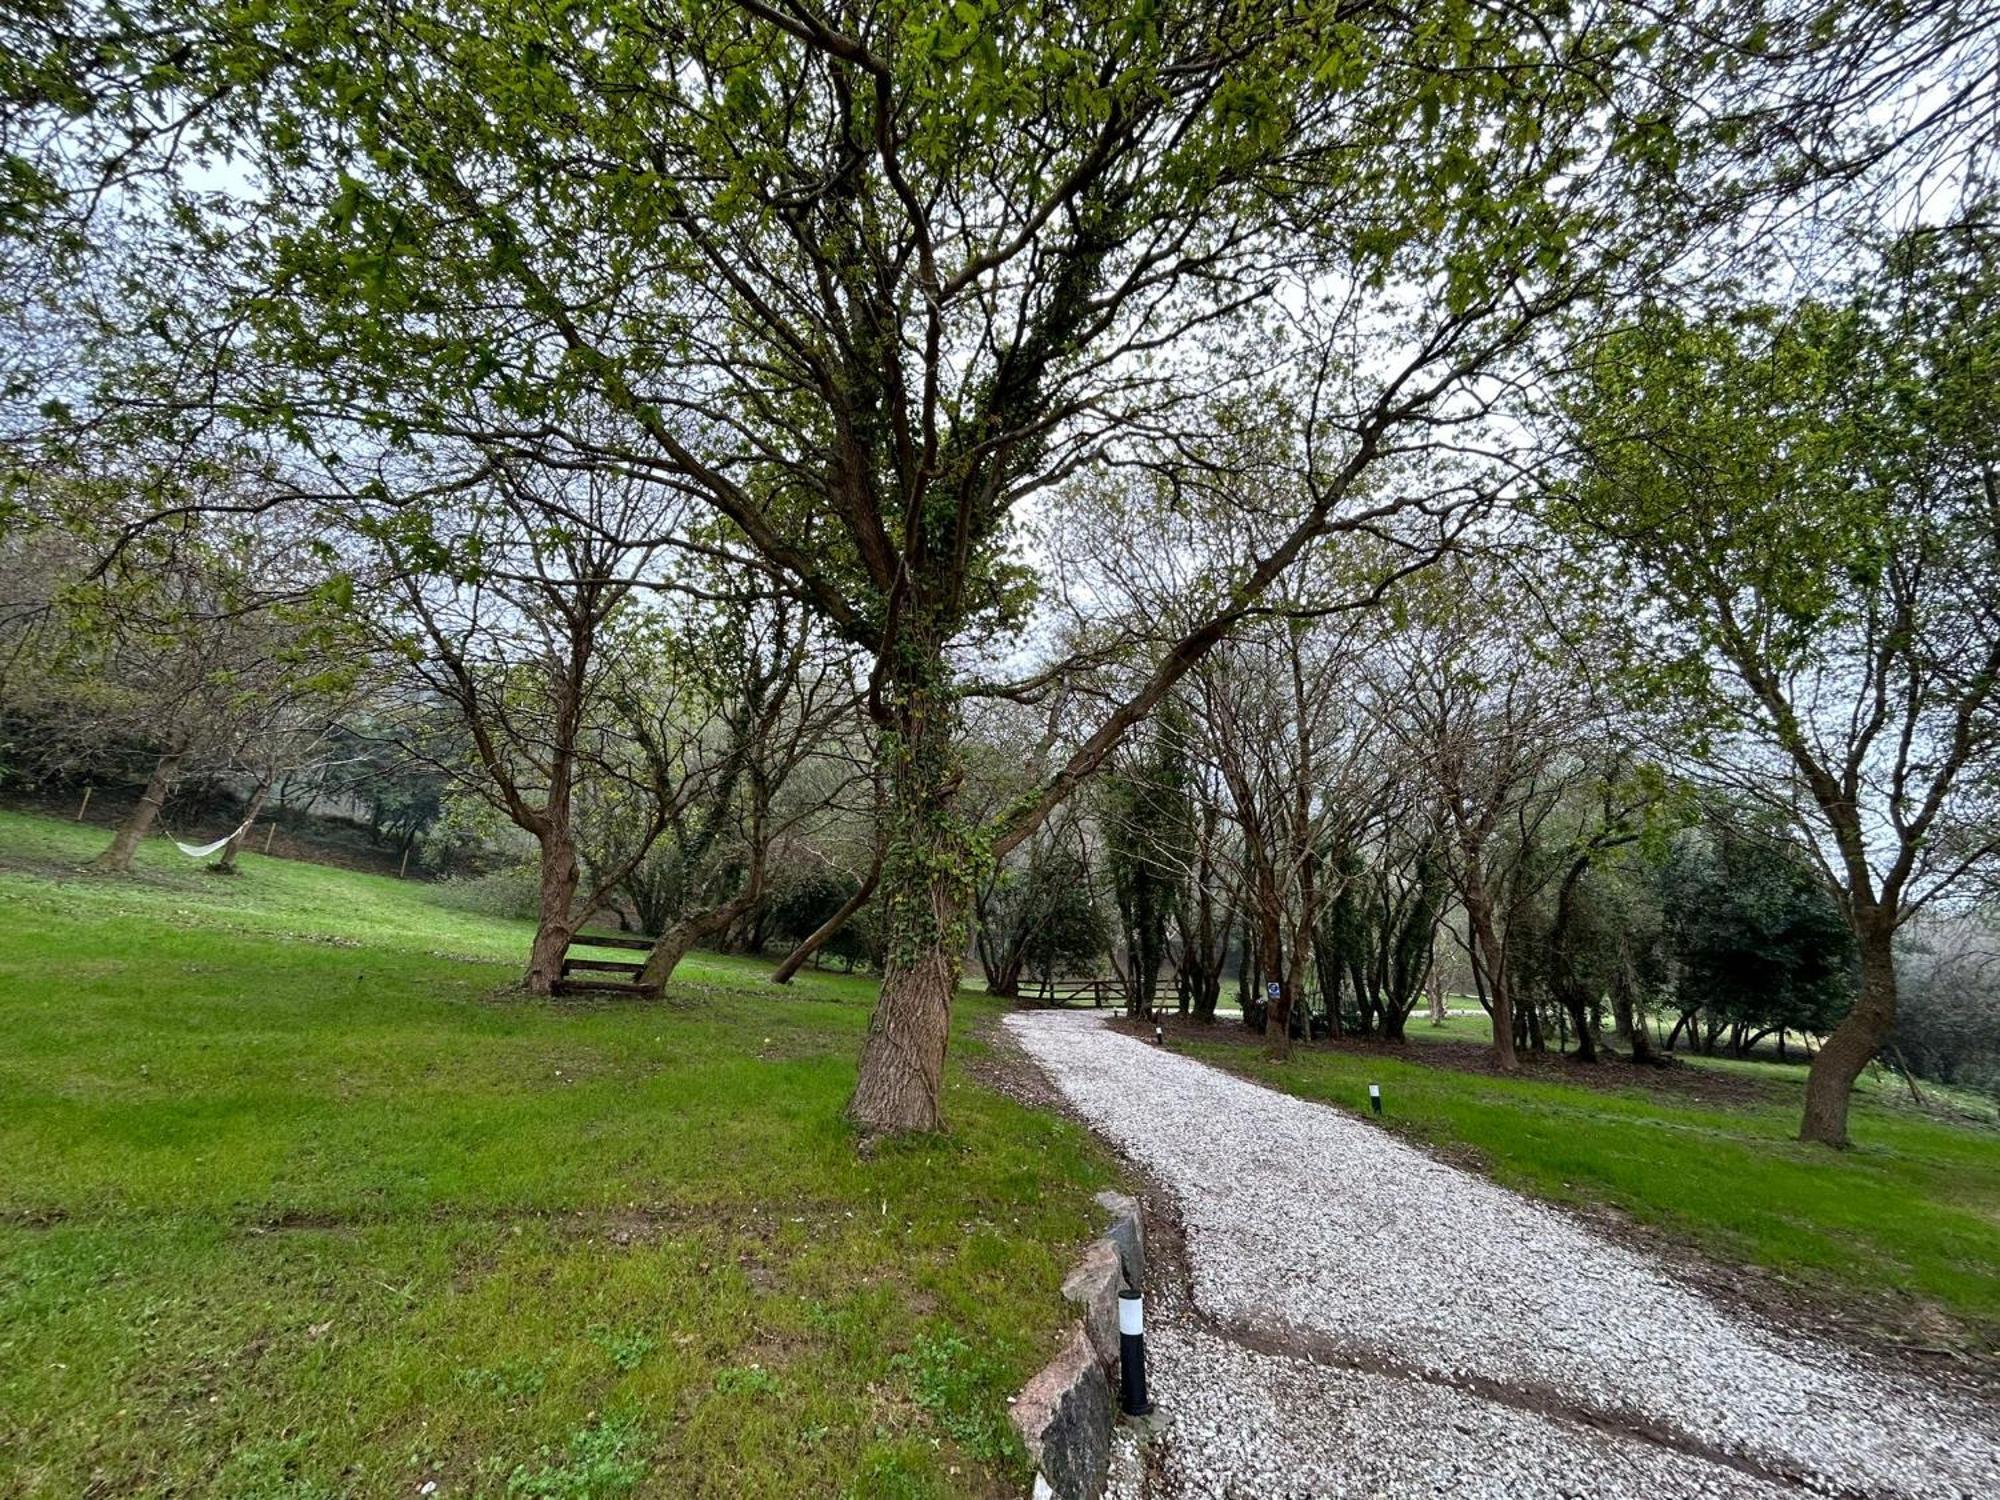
{"x":227,"y":863}
{"x":1479,"y":917}
{"x":1856,"y":1040}
{"x":117,"y":860}
{"x":674,"y":944}
{"x":556,"y":921}
{"x":928,"y":869}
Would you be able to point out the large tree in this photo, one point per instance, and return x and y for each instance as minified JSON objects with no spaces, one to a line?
{"x":1805,"y":504}
{"x":862,"y":279}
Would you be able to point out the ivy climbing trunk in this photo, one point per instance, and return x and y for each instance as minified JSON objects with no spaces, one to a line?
{"x":928,"y":869}
{"x":117,"y":859}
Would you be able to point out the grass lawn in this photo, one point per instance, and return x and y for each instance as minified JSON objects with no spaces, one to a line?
{"x":1910,"y":1218}
{"x":293,"y":1203}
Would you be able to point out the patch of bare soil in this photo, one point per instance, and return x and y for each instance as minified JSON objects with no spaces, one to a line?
{"x":1006,"y":1069}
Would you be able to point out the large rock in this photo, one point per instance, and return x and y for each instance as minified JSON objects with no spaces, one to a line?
{"x":1064,"y":1417}
{"x":1128,"y":1233}
{"x":1093,"y":1286}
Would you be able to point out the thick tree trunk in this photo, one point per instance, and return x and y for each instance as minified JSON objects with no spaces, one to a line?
{"x":1856,"y":1040}
{"x":692,"y":930}
{"x":672,"y":946}
{"x":117,"y":860}
{"x":227,"y":863}
{"x":928,"y":870}
{"x":556,"y":921}
{"x":824,"y":933}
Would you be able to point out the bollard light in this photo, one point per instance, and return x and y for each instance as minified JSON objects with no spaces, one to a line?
{"x":1160,"y":1035}
{"x":1132,"y":1355}
{"x":1375,"y":1097}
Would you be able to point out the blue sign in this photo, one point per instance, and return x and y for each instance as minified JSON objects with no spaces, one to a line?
{"x":1272,"y":989}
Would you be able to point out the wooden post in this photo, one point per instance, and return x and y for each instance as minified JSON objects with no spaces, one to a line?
{"x":404,"y":868}
{"x":85,"y":807}
{"x":270,"y":832}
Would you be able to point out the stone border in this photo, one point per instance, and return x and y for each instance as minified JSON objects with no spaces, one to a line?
{"x":1065,"y":1413}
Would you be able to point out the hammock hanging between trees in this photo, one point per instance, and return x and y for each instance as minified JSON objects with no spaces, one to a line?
{"x":202,"y":851}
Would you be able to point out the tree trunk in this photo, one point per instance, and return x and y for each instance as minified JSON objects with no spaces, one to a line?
{"x":1628,"y":1021}
{"x":556,"y":921}
{"x":1006,"y":980}
{"x":823,"y":934}
{"x":1479,"y":917}
{"x":671,"y":946}
{"x":1277,"y":1009}
{"x":1856,"y":1040}
{"x":227,"y":863}
{"x":117,"y":860}
{"x":1570,"y":993}
{"x":928,"y":869}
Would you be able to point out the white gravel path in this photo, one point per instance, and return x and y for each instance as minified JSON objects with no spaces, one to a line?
{"x":1325,"y":1231}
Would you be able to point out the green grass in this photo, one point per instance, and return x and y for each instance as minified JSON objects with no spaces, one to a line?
{"x":1910,"y":1218}
{"x":293,"y":1201}
{"x":1876,"y":1085}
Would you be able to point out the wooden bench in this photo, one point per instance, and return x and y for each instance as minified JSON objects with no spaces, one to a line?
{"x":592,"y":968}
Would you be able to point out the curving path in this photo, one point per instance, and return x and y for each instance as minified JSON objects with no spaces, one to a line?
{"x":1363,"y":1320}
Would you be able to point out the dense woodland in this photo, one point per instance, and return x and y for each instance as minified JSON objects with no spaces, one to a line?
{"x":1311,"y":514}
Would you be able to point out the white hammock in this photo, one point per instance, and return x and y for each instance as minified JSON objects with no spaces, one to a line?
{"x":202,"y":851}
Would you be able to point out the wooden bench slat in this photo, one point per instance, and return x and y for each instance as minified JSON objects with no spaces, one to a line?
{"x":611,"y":940}
{"x":601,"y":987}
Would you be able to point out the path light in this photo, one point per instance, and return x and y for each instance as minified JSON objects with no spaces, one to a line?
{"x":1132,"y":1354}
{"x":1159,"y":1034}
{"x":1375,"y":1097}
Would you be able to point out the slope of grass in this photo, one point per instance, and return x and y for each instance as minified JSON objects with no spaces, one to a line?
{"x":1910,"y":1217}
{"x":294,"y":1202}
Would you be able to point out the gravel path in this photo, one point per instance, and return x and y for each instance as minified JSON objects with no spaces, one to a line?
{"x":1369,"y":1321}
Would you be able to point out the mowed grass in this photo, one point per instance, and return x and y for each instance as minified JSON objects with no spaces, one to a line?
{"x":1909,"y":1219}
{"x":294,"y":1202}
